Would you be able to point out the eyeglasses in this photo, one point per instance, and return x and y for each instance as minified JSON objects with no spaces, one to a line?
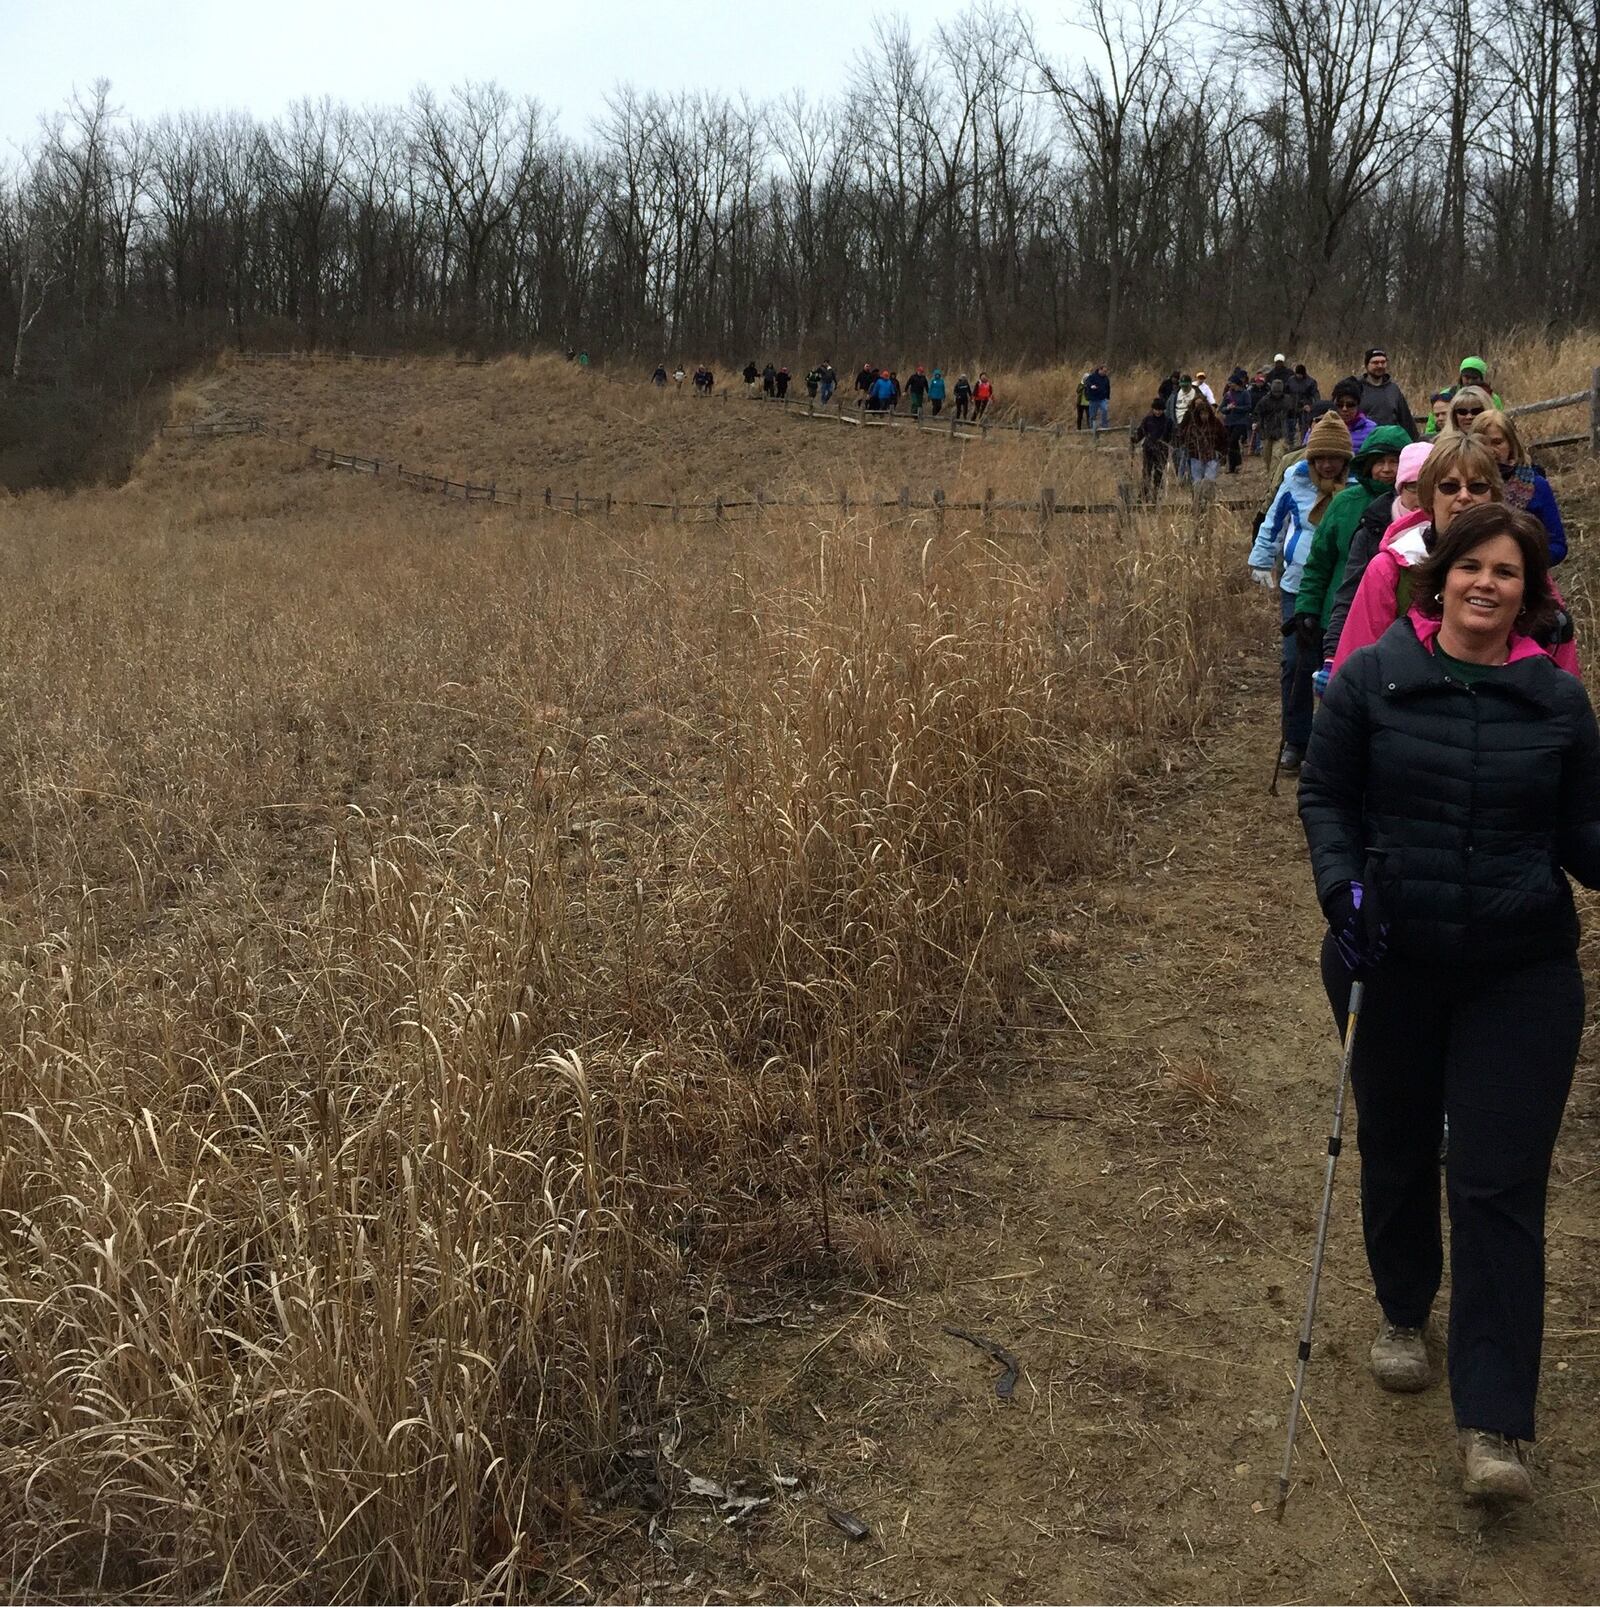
{"x":1468,"y":412}
{"x":1452,"y":488}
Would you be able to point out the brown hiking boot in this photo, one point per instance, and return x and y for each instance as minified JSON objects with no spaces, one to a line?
{"x":1493,"y":1469}
{"x":1400,"y":1359}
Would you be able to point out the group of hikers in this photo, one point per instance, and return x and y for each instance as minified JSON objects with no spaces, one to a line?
{"x":1449,"y":769}
{"x":880,"y":391}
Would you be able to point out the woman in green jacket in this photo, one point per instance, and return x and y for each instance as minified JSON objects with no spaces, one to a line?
{"x":1374,"y":467}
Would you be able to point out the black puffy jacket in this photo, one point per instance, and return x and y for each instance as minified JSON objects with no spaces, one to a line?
{"x":1478,"y":798}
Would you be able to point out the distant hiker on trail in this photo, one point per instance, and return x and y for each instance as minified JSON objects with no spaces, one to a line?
{"x":1275,"y":414}
{"x":830,"y":383}
{"x":781,"y":379}
{"x":1347,"y":399}
{"x":881,"y":397}
{"x":917,"y":390}
{"x":678,"y":376}
{"x":1474,"y":371}
{"x":769,"y":381}
{"x":1167,"y":387}
{"x":703,"y":380}
{"x":751,"y":375}
{"x":894,"y":391}
{"x":659,"y":378}
{"x":1452,"y":786}
{"x":813,"y":383}
{"x":1179,"y":401}
{"x":982,"y":395}
{"x":963,"y":395}
{"x":1238,"y":412}
{"x":864,"y":383}
{"x":1097,"y":388}
{"x":1083,"y":399}
{"x":1284,"y":538}
{"x":1202,"y":441}
{"x":1204,"y":389}
{"x":936,"y":391}
{"x":1153,"y":435}
{"x":1381,"y":399}
{"x":583,"y":359}
{"x":1280,"y":370}
{"x":1303,"y":392}
{"x":1522,"y":479}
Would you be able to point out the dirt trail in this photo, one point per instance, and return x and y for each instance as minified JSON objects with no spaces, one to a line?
{"x":1131,"y":1212}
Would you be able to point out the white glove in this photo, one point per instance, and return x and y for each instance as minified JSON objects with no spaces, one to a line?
{"x":1262,"y":577}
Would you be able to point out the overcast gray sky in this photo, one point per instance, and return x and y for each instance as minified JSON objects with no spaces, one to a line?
{"x":184,"y":55}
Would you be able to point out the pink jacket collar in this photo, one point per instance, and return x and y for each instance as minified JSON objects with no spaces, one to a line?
{"x":1428,"y":630}
{"x":1407,"y":520}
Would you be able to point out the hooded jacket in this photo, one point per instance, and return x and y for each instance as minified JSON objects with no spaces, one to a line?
{"x":1366,"y":541}
{"x":1097,"y":387}
{"x":936,"y":386}
{"x":1478,"y":798}
{"x":1377,"y":602}
{"x":1324,"y":566}
{"x":1287,"y":530}
{"x":1385,"y":403}
{"x":1238,"y":405}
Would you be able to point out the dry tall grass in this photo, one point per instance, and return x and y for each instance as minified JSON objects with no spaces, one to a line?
{"x":434,"y":948}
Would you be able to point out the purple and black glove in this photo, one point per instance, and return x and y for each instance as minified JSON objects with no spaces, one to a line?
{"x":1361,"y":939}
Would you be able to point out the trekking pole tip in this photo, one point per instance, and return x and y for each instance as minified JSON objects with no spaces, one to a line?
{"x":1283,"y":1499}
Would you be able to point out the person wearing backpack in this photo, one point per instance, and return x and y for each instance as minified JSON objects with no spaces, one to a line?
{"x":813,"y":383}
{"x":1276,"y":416}
{"x":1238,"y":410}
{"x":982,"y":395}
{"x":1304,"y":393}
{"x":769,"y":381}
{"x":1097,"y":390}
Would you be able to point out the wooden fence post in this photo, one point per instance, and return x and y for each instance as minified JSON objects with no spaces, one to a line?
{"x":1058,"y":431}
{"x":547,"y":499}
{"x":719,"y":510}
{"x":608,"y":504}
{"x":905,"y":500}
{"x":577,"y":502}
{"x":761,"y":503}
{"x":1594,"y":412}
{"x":983,"y":429}
{"x":844,"y":502}
{"x":1047,"y":505}
{"x":988,"y":504}
{"x":938,"y":504}
{"x":674,"y":507}
{"x":1022,"y":428}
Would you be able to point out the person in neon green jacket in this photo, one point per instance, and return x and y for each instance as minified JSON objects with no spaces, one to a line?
{"x":1474,"y":371}
{"x":1374,"y":467}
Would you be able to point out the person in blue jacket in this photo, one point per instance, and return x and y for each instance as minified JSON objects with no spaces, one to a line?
{"x":936,"y":392}
{"x":1525,"y":484}
{"x":883,"y":392}
{"x":1097,"y":392}
{"x":1238,"y":413}
{"x":1284,"y":537}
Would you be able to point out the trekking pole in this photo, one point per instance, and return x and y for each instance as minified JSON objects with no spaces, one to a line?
{"x":1335,"y":1139}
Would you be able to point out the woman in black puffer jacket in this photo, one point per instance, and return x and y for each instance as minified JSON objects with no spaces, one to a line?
{"x":1453,"y":777}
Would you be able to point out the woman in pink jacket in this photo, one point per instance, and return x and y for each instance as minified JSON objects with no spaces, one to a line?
{"x":1460,"y":473}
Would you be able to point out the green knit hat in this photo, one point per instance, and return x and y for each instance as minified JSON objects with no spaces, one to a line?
{"x":1475,"y":362}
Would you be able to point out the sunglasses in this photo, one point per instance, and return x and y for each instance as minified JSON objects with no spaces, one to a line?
{"x":1452,"y":488}
{"x":1468,"y":412}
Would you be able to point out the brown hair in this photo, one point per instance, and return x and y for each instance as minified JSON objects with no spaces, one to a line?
{"x":1471,"y":530}
{"x":1493,"y":419}
{"x":1465,"y":453}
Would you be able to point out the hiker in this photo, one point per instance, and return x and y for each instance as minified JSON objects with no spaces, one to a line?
{"x":781,"y":381}
{"x":1374,"y":466}
{"x":1083,"y":400}
{"x":895,"y":391}
{"x":1202,"y":441}
{"x":882,"y":396}
{"x":1167,"y":387}
{"x":1097,"y":391}
{"x":1275,"y":416}
{"x":1522,"y":479}
{"x":1438,"y":413}
{"x":936,"y":392}
{"x":1280,"y":370}
{"x":917,"y":390}
{"x":1347,"y":398}
{"x":1453,"y":766}
{"x":1284,"y":538}
{"x":1381,"y":512}
{"x":583,"y":359}
{"x":865,"y":380}
{"x":813,"y":383}
{"x":1204,"y":389}
{"x":1467,"y":405}
{"x":1460,"y":475}
{"x":1237,"y":414}
{"x":963,"y":396}
{"x":1179,"y":400}
{"x":1474,"y":371}
{"x":1381,"y":399}
{"x":769,"y":381}
{"x":751,"y":375}
{"x":1303,"y":393}
{"x":830,"y":383}
{"x":659,"y":378}
{"x":982,"y":395}
{"x":1153,"y":434}
{"x":678,"y":376}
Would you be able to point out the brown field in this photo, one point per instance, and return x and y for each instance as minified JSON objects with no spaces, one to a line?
{"x":453,"y":965}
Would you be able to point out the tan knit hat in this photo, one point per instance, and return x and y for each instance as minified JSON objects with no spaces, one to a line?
{"x":1330,"y":437}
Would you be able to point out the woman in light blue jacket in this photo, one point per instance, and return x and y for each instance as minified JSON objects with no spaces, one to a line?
{"x":936,"y":391}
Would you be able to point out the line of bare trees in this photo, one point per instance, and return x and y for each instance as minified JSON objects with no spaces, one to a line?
{"x":1275,"y":171}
